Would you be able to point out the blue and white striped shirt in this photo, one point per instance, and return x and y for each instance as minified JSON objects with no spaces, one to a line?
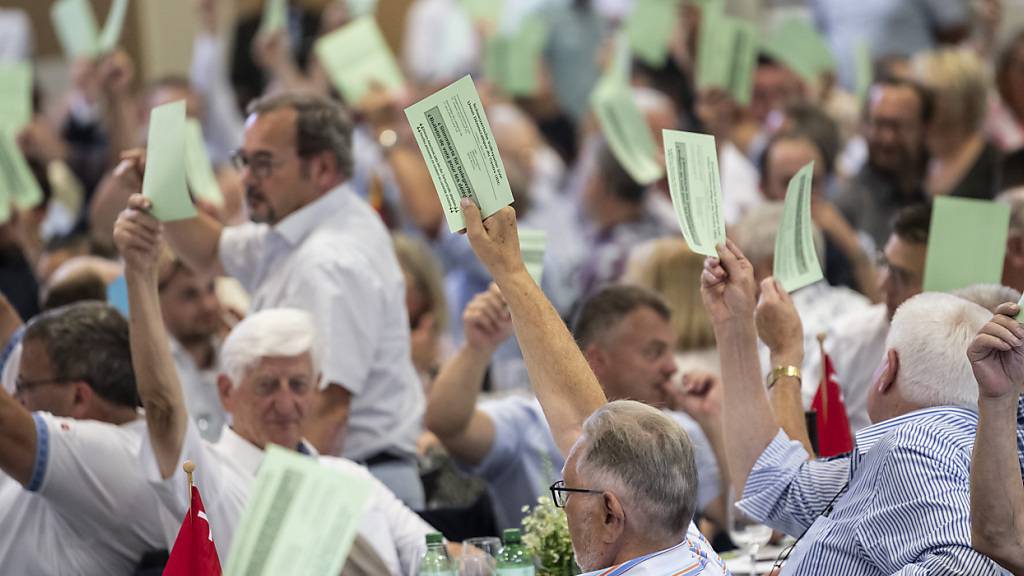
{"x":906,"y":510}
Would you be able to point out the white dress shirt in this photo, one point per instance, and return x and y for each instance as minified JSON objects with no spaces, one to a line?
{"x":199,"y":386}
{"x":225,"y":473}
{"x":335,"y":259}
{"x":87,"y":510}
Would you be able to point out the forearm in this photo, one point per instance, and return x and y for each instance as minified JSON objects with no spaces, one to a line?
{"x":17,"y":439}
{"x":9,"y":321}
{"x":155,"y":374}
{"x":121,"y":114}
{"x":454,"y":393}
{"x":196,"y":241}
{"x":718,"y":509}
{"x":744,"y":399}
{"x":326,"y":427}
{"x":788,"y":406}
{"x":416,"y":189}
{"x":997,"y":493}
{"x":563,"y":381}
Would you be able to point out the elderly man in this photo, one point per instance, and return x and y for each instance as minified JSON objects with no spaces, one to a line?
{"x":997,"y":494}
{"x":271,"y":368}
{"x":316,"y":246}
{"x":72,"y":497}
{"x":629,"y":480}
{"x":626,"y":335}
{"x":899,"y":502}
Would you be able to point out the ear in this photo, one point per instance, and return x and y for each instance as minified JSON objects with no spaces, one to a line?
{"x":887,"y":379}
{"x":613,"y":518}
{"x":225,"y":388}
{"x":82,"y":401}
{"x":597,"y":358}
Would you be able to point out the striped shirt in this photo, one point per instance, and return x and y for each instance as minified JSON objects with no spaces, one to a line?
{"x":906,"y":509}
{"x":691,"y":557}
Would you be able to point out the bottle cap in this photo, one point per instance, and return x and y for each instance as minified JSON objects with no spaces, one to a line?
{"x":511,"y":536}
{"x":435,"y":538}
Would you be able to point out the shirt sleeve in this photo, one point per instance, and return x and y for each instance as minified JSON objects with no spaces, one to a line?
{"x":929,"y":499}
{"x":240,"y":250}
{"x":408,"y":530}
{"x":511,"y":419}
{"x":173,"y":492}
{"x":788,"y":492}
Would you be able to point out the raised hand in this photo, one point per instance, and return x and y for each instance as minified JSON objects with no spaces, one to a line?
{"x":495,"y":240}
{"x":997,"y":355}
{"x":778,"y":324}
{"x":486,"y":321}
{"x":727,"y":285}
{"x":139,"y":237}
{"x":699,"y":395}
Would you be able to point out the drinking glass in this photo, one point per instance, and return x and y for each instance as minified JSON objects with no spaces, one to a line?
{"x":479,"y":557}
{"x":747,"y":533}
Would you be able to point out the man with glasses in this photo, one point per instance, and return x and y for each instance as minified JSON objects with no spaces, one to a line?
{"x":630,"y":480}
{"x":315,"y":245}
{"x":72,"y":496}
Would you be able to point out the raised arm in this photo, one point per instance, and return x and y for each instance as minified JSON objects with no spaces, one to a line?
{"x":728,"y":287}
{"x":138,"y":237}
{"x":997,"y":492}
{"x":566,"y":387}
{"x":466,"y":431}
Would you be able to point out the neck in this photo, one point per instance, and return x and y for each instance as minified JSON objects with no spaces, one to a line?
{"x":966,"y":146}
{"x":116,"y":415}
{"x":201,"y":351}
{"x":644,"y":545}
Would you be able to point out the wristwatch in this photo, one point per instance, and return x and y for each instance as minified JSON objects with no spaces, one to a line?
{"x":781,"y":372}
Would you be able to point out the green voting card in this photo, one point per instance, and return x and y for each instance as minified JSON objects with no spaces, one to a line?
{"x":796,"y":260}
{"x":198,"y":170}
{"x":455,"y":139}
{"x":512,"y":58}
{"x":865,"y":71}
{"x":75,"y":24}
{"x":726,"y":55}
{"x":164,"y":181}
{"x":696,"y":188}
{"x":360,"y":8}
{"x":5,"y":203}
{"x":625,"y":128}
{"x":112,"y":27}
{"x":649,"y":28}
{"x":15,"y":94}
{"x":19,"y":183}
{"x":532,"y":244}
{"x":797,"y":44}
{"x":301,"y":519}
{"x":356,"y":56}
{"x":966,"y":243}
{"x":484,"y":10}
{"x":275,"y":16}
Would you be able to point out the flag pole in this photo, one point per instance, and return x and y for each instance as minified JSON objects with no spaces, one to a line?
{"x":823,"y":385}
{"x":189,"y":467}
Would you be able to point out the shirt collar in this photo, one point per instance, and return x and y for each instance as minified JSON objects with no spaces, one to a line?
{"x":250,"y":456}
{"x":297,"y":225}
{"x":868,"y":437}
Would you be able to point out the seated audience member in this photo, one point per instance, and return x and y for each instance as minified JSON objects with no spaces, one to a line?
{"x":192,"y":317}
{"x":627,"y":339}
{"x":629,"y":479}
{"x":425,"y":300}
{"x":72,"y":496}
{"x":1006,"y":118}
{"x":909,"y":472}
{"x":896,"y":114}
{"x":271,"y":368}
{"x":962,"y":161}
{"x":997,"y":494}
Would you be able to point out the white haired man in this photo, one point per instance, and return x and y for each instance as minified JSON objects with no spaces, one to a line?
{"x":899,"y":503}
{"x":629,"y":482}
{"x":271,"y":369}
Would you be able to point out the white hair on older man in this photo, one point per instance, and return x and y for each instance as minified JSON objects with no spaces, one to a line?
{"x":271,"y":332}
{"x":931,"y":332}
{"x":988,"y":296}
{"x":646,"y":459}
{"x":755,"y":233}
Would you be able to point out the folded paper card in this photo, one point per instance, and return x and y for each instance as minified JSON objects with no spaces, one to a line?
{"x":966,"y":243}
{"x":796,"y":260}
{"x":164,"y":182}
{"x":357,"y":56}
{"x":696,"y":188}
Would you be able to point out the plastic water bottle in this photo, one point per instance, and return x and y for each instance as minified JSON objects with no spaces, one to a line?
{"x":435,"y":561}
{"x":514,"y":560}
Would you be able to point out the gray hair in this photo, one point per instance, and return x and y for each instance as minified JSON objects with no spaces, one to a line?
{"x":988,"y":296}
{"x":756,"y":231}
{"x":646,"y":459}
{"x":89,"y":341}
{"x":271,"y":332}
{"x":321,"y":124}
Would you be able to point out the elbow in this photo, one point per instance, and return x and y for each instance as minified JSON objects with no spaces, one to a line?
{"x":443,"y":425}
{"x":1006,"y":548}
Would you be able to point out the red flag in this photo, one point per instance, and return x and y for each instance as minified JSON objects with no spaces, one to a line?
{"x":833,"y":425}
{"x":194,"y":553}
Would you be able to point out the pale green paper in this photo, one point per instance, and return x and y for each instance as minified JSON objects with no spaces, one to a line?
{"x":966,"y":243}
{"x":696,"y":188}
{"x":301,"y":519}
{"x":356,"y":56}
{"x":164,"y":181}
{"x":15,"y":94}
{"x":625,"y":128}
{"x":16,"y":176}
{"x":489,"y":11}
{"x":532,"y":244}
{"x":726,"y":55}
{"x":360,"y":8}
{"x":275,"y":16}
{"x":5,"y":202}
{"x":795,"y":43}
{"x":512,"y":59}
{"x":865,"y":71}
{"x":75,"y":24}
{"x":649,"y":28}
{"x":796,"y":260}
{"x":455,"y":139}
{"x":112,"y":27}
{"x":198,"y":170}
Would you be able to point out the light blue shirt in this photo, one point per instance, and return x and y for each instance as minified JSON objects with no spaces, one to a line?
{"x":906,"y":507}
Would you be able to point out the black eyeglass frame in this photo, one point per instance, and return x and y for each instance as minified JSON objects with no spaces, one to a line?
{"x":559,"y":487}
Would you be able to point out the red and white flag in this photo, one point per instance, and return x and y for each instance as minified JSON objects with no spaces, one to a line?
{"x":194,"y":553}
{"x":834,"y":435}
